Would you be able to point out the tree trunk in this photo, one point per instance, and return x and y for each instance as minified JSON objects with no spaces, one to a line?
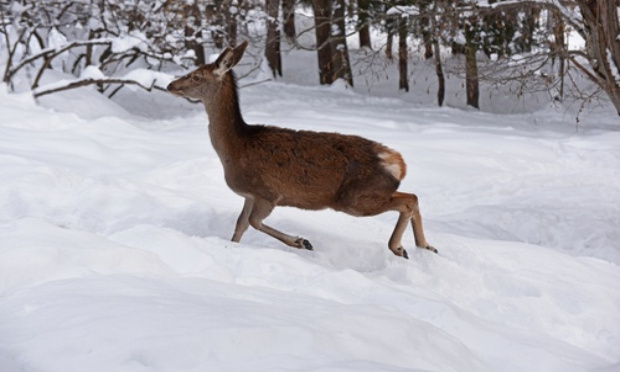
{"x":471,"y":66}
{"x":214,"y":18}
{"x":389,"y":25}
{"x":364,"y":27}
{"x":272,"y":47}
{"x":288,"y":14}
{"x":322,"y":14}
{"x":231,"y":25}
{"x":558,"y":49}
{"x":342,"y":64}
{"x":441,"y":82}
{"x":89,"y":49}
{"x":601,"y":29}
{"x":425,"y":24}
{"x":529,"y":28}
{"x":192,"y":12}
{"x":457,"y":48}
{"x":403,"y":81}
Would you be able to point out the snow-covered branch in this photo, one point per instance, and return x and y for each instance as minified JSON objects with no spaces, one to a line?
{"x":50,"y":53}
{"x":568,"y":14}
{"x":80,"y":83}
{"x":142,"y":78}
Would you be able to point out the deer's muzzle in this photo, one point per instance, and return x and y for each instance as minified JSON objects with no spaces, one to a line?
{"x":174,"y":89}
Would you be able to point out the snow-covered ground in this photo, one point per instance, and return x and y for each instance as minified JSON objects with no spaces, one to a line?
{"x":115,"y":255}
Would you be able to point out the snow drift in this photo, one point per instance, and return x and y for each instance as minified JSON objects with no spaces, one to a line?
{"x":115,"y":252}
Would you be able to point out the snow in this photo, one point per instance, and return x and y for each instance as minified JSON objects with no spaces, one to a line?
{"x":92,"y":72}
{"x":115,"y":252}
{"x":403,"y":11}
{"x":612,"y":66}
{"x":123,"y":43}
{"x":147,"y":77}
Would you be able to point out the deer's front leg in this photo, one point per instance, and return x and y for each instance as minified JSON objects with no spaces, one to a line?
{"x":261,"y":209}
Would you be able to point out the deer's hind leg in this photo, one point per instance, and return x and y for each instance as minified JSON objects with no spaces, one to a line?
{"x":407,"y":206}
{"x":260,"y":210}
{"x":243,"y":222}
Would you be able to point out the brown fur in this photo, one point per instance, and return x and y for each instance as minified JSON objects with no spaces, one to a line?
{"x":271,"y":166}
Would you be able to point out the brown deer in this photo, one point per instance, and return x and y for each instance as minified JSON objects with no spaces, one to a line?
{"x":271,"y":166}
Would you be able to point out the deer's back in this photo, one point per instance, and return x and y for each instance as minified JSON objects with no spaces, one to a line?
{"x":311,"y":170}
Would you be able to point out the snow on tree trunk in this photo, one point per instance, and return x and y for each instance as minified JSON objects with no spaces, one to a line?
{"x":191,"y":15}
{"x":214,"y":18}
{"x":342,"y":64}
{"x":425,"y":31}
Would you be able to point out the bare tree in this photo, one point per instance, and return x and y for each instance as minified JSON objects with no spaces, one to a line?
{"x":597,"y":22}
{"x":322,"y":27}
{"x":363,"y":17}
{"x":215,"y":19}
{"x":403,"y":53}
{"x":340,"y":51}
{"x":557,"y":48}
{"x":95,"y":32}
{"x":441,"y":82}
{"x":192,"y":17}
{"x":425,"y":24}
{"x":288,"y":16}
{"x":601,"y":30}
{"x":272,"y":47}
{"x":390,"y":27}
{"x":471,"y":64}
{"x":110,"y":36}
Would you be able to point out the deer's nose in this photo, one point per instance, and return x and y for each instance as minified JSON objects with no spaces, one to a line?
{"x":170,"y":87}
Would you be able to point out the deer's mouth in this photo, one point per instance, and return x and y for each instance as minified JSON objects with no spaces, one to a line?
{"x":174,"y":90}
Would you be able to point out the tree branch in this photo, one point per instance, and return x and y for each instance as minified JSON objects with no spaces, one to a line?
{"x":81,"y":83}
{"x":582,"y":68}
{"x":53,"y":52}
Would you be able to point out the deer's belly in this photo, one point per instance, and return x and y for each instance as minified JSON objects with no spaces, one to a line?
{"x":282,"y":190}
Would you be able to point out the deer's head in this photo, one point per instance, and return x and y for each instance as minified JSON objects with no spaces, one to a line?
{"x":206,"y":80}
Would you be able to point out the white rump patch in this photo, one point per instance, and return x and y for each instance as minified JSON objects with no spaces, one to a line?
{"x":395,"y":169}
{"x":393,"y":163}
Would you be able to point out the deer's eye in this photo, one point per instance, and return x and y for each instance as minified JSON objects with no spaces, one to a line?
{"x":196,"y":78}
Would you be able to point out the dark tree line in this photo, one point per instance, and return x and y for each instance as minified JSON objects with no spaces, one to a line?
{"x":516,"y":40}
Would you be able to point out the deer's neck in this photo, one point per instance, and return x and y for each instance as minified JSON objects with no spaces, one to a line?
{"x":226,"y":125}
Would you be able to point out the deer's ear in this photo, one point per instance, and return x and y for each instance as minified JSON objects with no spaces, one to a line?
{"x":229,"y":58}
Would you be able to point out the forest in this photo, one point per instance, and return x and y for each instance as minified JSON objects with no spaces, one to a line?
{"x":523,"y":43}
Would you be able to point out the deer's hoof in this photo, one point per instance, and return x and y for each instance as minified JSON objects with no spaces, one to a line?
{"x":432,"y":249}
{"x":306,"y":245}
{"x":400,"y":252}
{"x":303,"y":244}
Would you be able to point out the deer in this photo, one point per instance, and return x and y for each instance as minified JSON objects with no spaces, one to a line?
{"x":272,"y":166}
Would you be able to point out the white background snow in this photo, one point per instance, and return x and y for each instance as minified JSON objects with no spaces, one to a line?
{"x":115,"y":255}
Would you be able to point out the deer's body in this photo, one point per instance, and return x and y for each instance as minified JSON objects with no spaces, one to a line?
{"x":304,"y":169}
{"x":271,"y":166}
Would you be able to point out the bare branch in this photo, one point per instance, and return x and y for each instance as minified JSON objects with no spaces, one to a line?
{"x":583,"y":69}
{"x":53,"y":52}
{"x":81,"y":83}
